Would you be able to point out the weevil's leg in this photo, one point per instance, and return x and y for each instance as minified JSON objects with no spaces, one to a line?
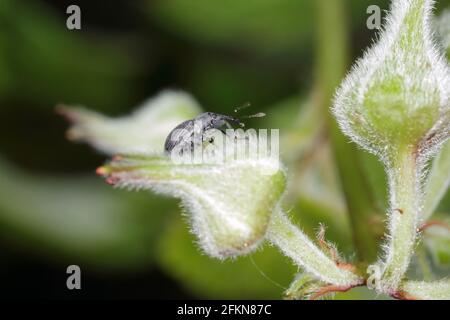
{"x":231,"y":134}
{"x":224,"y":130}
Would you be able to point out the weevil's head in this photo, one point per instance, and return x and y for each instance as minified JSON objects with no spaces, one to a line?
{"x":211,"y":120}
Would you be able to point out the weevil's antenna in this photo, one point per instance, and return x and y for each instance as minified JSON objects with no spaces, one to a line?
{"x":244,"y":106}
{"x":256,"y":115}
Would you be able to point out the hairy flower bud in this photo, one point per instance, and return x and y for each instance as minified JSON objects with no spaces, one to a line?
{"x":229,"y":204}
{"x":398,"y":95}
{"x":142,"y":131}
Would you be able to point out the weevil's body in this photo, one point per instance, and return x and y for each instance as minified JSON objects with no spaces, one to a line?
{"x":183,"y":134}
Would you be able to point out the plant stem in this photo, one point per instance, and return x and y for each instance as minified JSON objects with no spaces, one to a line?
{"x":404,"y":184}
{"x":296,"y":245}
{"x":331,"y":68}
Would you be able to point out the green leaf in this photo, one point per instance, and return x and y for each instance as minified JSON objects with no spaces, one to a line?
{"x":437,"y":182}
{"x":144,"y":131}
{"x":437,"y":242}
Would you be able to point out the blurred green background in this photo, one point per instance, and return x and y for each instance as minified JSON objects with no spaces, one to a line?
{"x":55,"y":212}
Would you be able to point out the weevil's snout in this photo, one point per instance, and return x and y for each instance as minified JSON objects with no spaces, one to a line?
{"x":235,"y":121}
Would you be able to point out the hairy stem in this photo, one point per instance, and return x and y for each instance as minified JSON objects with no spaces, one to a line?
{"x":296,"y":245}
{"x":330,"y":289}
{"x":403,"y":219}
